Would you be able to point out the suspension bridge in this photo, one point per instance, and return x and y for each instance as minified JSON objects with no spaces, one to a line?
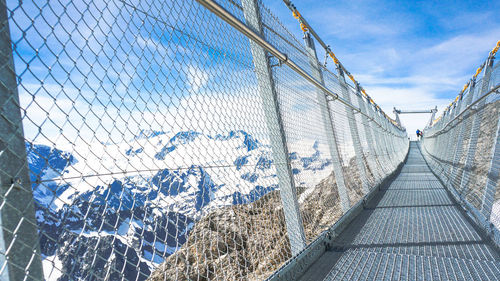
{"x":202,"y":140}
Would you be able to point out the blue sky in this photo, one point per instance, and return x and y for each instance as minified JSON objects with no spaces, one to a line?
{"x":100,"y":69}
{"x":97,"y":70}
{"x":411,"y":54}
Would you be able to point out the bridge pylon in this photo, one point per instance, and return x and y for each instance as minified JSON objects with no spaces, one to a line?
{"x":433,"y":112}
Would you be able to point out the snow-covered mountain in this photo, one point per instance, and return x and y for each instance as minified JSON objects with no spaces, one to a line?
{"x":98,"y":203}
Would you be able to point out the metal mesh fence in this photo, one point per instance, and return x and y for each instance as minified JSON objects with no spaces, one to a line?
{"x":463,"y":147}
{"x":151,"y":140}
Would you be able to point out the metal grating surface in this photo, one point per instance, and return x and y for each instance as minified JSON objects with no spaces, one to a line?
{"x":411,"y":230}
{"x":376,"y":266}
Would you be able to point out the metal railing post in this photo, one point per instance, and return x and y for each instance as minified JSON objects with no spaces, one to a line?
{"x":369,"y":138}
{"x":393,"y":143}
{"x":388,"y":127}
{"x":353,"y":127}
{"x":450,"y":141}
{"x":463,"y":103}
{"x":327,"y":123}
{"x":492,"y":176}
{"x":445,"y":142}
{"x":19,"y":244}
{"x":494,"y":168}
{"x":476,"y":124}
{"x":382,"y":143}
{"x":453,"y":148}
{"x":274,"y":120}
{"x":386,"y":142}
{"x":378,"y":142}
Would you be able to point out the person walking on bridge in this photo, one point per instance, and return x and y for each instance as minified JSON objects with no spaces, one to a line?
{"x":419,"y":134}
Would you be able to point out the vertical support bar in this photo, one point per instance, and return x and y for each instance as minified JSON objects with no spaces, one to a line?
{"x":492,"y":177}
{"x":432,"y":118}
{"x":377,"y":141}
{"x":382,"y":155}
{"x":463,"y":103}
{"x":397,"y":116}
{"x":476,"y":124}
{"x":369,"y":138}
{"x":271,"y":106}
{"x":19,"y":244}
{"x":455,"y":128}
{"x":393,"y":147}
{"x":453,"y":147}
{"x":392,"y":159}
{"x":444,"y":144}
{"x":393,"y":143}
{"x":353,"y":127}
{"x":328,"y":124}
{"x":386,"y":143}
{"x":450,"y":136}
{"x":457,"y":152}
{"x":389,"y":128}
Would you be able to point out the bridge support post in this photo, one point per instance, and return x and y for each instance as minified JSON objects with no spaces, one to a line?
{"x":462,"y":105}
{"x":378,"y":142}
{"x":450,"y":147}
{"x":476,"y":124}
{"x":393,"y":142}
{"x":392,"y":148}
{"x":494,"y":170}
{"x":369,"y":138}
{"x":492,"y":177}
{"x":444,"y":142}
{"x":327,"y":123}
{"x":353,"y":127}
{"x":384,"y":134}
{"x":19,"y":244}
{"x":288,"y":191}
{"x":452,"y":152}
{"x":432,"y":117}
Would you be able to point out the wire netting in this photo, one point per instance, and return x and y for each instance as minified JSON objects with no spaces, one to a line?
{"x":464,"y":145}
{"x":150,"y":145}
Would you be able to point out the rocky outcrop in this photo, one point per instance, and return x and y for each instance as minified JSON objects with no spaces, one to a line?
{"x":321,"y":208}
{"x":124,"y":225}
{"x":249,"y":242}
{"x":241,"y":242}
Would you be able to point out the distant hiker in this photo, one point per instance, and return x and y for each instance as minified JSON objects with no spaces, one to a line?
{"x":419,"y":134}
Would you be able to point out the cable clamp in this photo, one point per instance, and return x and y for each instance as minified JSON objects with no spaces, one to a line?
{"x":280,"y":62}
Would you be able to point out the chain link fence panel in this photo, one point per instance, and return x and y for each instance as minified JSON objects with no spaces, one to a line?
{"x":159,"y":143}
{"x":463,"y":148}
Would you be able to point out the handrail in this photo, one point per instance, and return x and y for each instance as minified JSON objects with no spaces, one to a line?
{"x":491,"y":56}
{"x":306,"y":27}
{"x":494,"y":90}
{"x":225,"y":15}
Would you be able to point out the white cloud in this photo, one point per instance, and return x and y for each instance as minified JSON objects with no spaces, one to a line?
{"x":197,"y":77}
{"x":434,"y":75}
{"x":347,"y":24}
{"x":455,"y":56}
{"x":418,"y":59}
{"x":416,"y":98}
{"x":395,"y":71}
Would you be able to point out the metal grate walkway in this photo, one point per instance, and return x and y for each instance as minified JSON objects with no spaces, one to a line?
{"x":411,"y":230}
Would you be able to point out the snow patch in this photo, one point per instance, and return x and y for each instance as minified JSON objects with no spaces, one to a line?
{"x":52,"y":268}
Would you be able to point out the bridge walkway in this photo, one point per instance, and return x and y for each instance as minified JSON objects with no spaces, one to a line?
{"x":410,"y":230}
